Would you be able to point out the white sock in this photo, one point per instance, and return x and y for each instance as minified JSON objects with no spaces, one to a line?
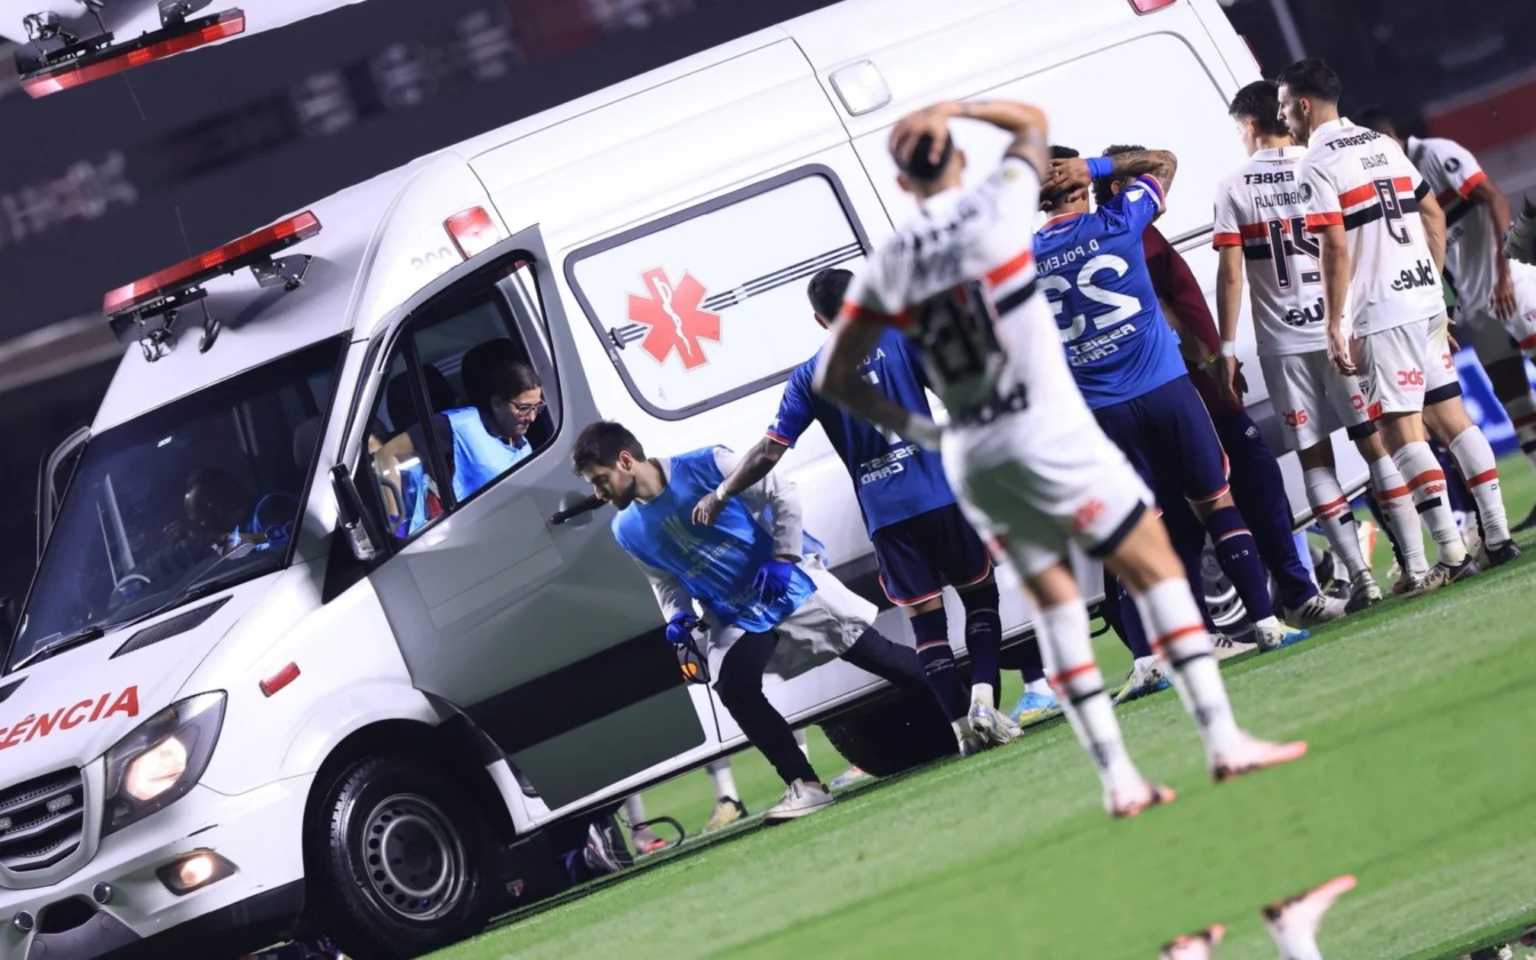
{"x":1474,"y":456}
{"x":634,"y":811}
{"x":805,"y":748}
{"x":1335,"y":517}
{"x":981,"y":693}
{"x":725,"y":780}
{"x":1067,"y":650}
{"x":1397,"y":507}
{"x":1169,"y":613}
{"x":1427,"y":482}
{"x":1522,"y":413}
{"x":1041,"y":687}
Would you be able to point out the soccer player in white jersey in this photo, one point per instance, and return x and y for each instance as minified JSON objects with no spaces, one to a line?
{"x":1496,"y":298}
{"x":1382,"y":247}
{"x":1025,"y":456}
{"x":1261,"y":221}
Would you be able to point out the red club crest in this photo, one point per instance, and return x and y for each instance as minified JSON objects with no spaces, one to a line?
{"x":676,"y":320}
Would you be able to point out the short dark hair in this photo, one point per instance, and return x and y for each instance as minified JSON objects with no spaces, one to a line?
{"x":1312,"y":78}
{"x":1103,"y":187}
{"x":600,"y":444}
{"x":1377,"y":118}
{"x":510,"y":378}
{"x":1260,"y":103}
{"x":827,"y":290}
{"x":919,"y":168}
{"x":1058,"y":152}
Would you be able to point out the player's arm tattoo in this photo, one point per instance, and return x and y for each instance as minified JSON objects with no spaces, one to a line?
{"x":1161,"y":164}
{"x":757,"y":464}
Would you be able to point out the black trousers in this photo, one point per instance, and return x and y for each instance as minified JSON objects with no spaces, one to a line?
{"x":740,"y":687}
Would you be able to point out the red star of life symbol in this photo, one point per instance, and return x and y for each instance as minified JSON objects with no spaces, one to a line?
{"x":674,"y":317}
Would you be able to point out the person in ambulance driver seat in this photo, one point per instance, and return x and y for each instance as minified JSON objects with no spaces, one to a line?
{"x":921,"y":538}
{"x":1029,"y":464}
{"x":491,"y":437}
{"x":768,"y":600}
{"x":1382,"y":238}
{"x":1496,"y":297}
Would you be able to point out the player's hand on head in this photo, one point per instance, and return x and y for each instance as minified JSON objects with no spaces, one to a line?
{"x":1067,"y":175}
{"x":707,"y":510}
{"x":932,"y":121}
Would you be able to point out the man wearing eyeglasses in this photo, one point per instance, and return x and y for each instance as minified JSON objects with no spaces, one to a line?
{"x":491,"y":437}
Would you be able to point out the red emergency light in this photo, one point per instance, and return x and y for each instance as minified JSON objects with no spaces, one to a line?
{"x":154,"y":45}
{"x":472,"y":231}
{"x":249,"y":250}
{"x":1148,"y":6}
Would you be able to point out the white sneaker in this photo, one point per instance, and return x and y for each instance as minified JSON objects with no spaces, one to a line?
{"x":1293,"y":922}
{"x":1270,"y":634}
{"x":1130,"y":803}
{"x":1195,"y":946}
{"x":992,"y":725}
{"x":1363,"y":592}
{"x":1224,"y":645}
{"x":1316,"y":612}
{"x":1249,"y":754}
{"x":801,"y":799}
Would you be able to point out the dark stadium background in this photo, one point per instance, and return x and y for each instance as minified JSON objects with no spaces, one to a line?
{"x":121,"y":177}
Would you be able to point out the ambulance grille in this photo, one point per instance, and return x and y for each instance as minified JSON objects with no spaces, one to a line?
{"x":42,"y":821}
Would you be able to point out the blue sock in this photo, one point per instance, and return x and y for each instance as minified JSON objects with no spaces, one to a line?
{"x":1239,"y":558}
{"x":938,"y":659}
{"x":984,"y":633}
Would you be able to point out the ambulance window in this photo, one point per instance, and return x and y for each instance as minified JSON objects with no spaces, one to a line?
{"x":707,"y":305}
{"x":441,"y":430}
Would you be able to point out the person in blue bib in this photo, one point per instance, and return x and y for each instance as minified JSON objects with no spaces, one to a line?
{"x":922,"y":541}
{"x":768,"y":600}
{"x":491,"y":437}
{"x":1125,"y":357}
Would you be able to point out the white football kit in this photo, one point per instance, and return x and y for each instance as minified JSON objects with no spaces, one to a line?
{"x":1260,"y":209}
{"x":1031,"y":467}
{"x":1360,"y":179}
{"x":1472,"y":250}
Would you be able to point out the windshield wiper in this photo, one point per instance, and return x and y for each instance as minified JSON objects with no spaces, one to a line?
{"x":60,"y":645}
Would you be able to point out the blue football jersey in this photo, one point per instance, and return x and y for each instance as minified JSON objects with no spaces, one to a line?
{"x":894,"y":479}
{"x":1094,"y":273}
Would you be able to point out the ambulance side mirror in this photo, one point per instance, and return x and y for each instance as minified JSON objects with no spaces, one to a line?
{"x":349,"y":513}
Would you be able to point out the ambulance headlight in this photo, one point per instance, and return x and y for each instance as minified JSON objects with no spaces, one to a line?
{"x":160,"y":761}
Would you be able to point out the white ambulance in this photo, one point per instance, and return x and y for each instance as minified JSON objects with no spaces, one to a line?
{"x":362,"y":705}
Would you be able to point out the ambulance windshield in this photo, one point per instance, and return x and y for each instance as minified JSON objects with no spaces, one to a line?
{"x":198,"y":494}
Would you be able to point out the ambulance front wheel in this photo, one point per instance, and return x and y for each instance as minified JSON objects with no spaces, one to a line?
{"x":399,"y":863}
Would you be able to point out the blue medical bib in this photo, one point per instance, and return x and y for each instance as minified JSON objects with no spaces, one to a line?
{"x":716,"y":564}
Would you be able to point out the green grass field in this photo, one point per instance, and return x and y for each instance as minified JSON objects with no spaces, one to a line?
{"x":1421,"y":780}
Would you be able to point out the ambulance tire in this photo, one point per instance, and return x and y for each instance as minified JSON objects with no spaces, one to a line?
{"x":399,"y":861}
{"x":893,"y":737}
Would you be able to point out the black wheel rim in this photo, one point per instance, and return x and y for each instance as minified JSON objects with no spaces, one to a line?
{"x":412,"y":858}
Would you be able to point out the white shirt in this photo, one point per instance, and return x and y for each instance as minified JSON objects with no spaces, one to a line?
{"x":984,"y":234}
{"x":1362,"y":179}
{"x":1471,"y":251}
{"x":1259,"y":208}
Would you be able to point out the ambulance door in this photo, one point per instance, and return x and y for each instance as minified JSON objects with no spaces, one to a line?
{"x":539,"y":628}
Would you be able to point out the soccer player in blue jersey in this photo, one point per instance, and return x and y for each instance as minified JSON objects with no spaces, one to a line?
{"x":1125,"y":358}
{"x":767,"y":598}
{"x":921,"y":538}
